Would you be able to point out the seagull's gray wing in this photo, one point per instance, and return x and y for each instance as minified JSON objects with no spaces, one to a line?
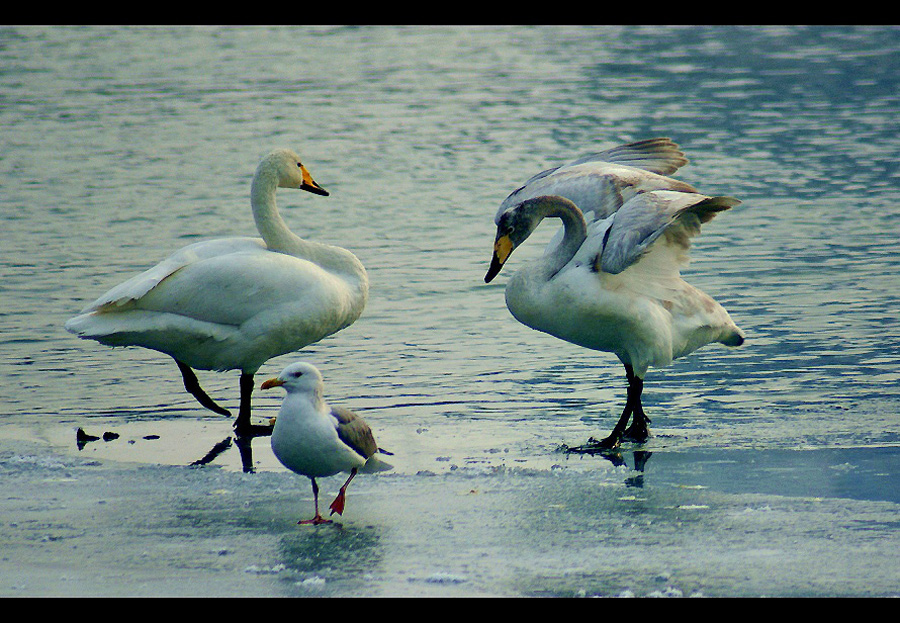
{"x":354,"y":432}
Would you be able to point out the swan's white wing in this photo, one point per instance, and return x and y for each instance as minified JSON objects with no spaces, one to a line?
{"x":600,"y":183}
{"x":236,"y":288}
{"x":227,"y":311}
{"x":133,"y":289}
{"x":647,"y":216}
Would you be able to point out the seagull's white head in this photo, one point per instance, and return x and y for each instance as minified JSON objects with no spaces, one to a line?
{"x":298,"y":377}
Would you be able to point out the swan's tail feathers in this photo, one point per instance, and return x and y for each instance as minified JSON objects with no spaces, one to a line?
{"x":657,"y":155}
{"x":83,"y":326}
{"x":145,"y":328}
{"x":736,"y":338}
{"x":705,"y":210}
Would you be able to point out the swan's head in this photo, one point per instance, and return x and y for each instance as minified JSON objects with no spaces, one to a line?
{"x":514,"y":226}
{"x":290,"y":172}
{"x":297,"y":377}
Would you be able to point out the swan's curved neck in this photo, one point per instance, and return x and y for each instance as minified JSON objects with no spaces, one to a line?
{"x":574,"y":233}
{"x":269,"y":223}
{"x":279,"y":237}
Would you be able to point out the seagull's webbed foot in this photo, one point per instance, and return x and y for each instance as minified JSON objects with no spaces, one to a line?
{"x":338,"y":505}
{"x":315,"y":521}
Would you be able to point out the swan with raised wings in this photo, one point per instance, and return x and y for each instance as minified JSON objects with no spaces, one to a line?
{"x":611,"y":281}
{"x":234,"y":303}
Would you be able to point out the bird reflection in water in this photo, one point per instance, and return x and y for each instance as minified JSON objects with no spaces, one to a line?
{"x":244,"y":443}
{"x":616,"y":457}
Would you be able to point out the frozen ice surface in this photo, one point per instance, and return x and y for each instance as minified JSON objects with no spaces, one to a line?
{"x":711,"y":524}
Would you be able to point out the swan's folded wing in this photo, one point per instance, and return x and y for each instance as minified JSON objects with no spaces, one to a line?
{"x":647,"y":216}
{"x":133,"y":289}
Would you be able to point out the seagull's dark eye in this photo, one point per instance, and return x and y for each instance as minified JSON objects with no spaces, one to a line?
{"x":297,"y":374}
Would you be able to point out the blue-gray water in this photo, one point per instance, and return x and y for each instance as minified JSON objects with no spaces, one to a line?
{"x":122,"y":144}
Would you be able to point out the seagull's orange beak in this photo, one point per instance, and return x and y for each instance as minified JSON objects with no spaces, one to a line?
{"x":271,"y":383}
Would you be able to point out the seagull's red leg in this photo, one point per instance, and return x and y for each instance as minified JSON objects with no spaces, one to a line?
{"x":338,"y":505}
{"x":318,"y":518}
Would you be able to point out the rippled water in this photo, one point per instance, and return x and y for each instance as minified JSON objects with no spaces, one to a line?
{"x":122,"y":144}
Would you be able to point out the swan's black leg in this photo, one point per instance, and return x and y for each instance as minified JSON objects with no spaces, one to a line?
{"x":639,"y":431}
{"x":192,"y":385}
{"x":616,"y":435}
{"x":242,"y":425}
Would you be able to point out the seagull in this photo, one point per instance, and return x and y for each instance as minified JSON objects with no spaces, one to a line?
{"x":234,"y":303}
{"x":316,"y":440}
{"x":610,"y":279}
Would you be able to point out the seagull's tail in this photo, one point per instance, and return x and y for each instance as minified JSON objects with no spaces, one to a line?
{"x":374,"y":464}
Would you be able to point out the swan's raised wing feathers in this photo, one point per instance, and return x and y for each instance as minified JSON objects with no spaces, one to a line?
{"x":600,"y":183}
{"x":647,"y":216}
{"x":657,"y":155}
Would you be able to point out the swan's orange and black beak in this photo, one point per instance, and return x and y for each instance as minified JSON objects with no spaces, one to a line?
{"x":310,"y":184}
{"x":503,"y":246}
{"x":271,"y":383}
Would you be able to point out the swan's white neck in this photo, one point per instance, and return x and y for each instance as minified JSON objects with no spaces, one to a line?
{"x":269,"y":223}
{"x":574,"y":234}
{"x":278,"y":236}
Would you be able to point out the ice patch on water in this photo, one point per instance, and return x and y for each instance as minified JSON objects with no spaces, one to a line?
{"x":265,"y":570}
{"x":314,"y":582}
{"x":445,"y":578}
{"x":669,"y":591}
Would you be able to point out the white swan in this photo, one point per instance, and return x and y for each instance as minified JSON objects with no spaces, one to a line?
{"x":234,"y":303}
{"x":316,"y":440}
{"x":611,"y":282}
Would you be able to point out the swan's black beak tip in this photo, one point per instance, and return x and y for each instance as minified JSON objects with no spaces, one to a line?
{"x":314,"y":189}
{"x":495,"y":267}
